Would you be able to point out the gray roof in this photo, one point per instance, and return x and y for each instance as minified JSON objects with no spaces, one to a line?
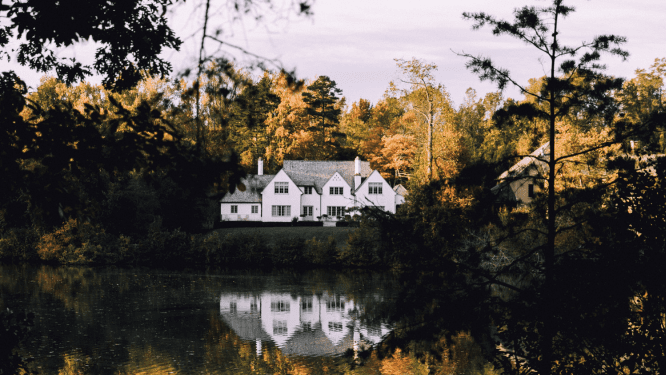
{"x":246,"y":325}
{"x":317,"y":173}
{"x":254,"y":185}
{"x":400,"y":190}
{"x":536,"y":158}
{"x":303,"y":173}
{"x":316,"y":343}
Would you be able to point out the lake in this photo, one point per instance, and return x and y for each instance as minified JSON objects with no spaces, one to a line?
{"x":128,"y":321}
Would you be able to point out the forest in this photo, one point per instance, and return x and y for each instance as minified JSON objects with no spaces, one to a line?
{"x":127,"y":173}
{"x":158,"y":157}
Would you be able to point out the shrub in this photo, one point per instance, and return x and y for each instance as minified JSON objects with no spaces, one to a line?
{"x":213,"y":249}
{"x":19,"y":244}
{"x":320,"y":252}
{"x":167,"y":248}
{"x":246,"y":248}
{"x":288,"y":252}
{"x":361,"y":250}
{"x":78,"y":243}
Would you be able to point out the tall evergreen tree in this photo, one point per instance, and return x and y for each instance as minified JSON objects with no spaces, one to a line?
{"x":535,"y":338}
{"x":322,"y":101}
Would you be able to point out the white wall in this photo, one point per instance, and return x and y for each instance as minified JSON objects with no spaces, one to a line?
{"x":244,"y":212}
{"x":270,"y":199}
{"x":313,"y":200}
{"x":345,"y":200}
{"x":280,"y":325}
{"x":521,"y":187}
{"x":386,"y":199}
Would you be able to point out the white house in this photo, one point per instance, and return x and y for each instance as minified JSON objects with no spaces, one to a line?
{"x":524,"y":179}
{"x":302,"y":325}
{"x":310,"y":190}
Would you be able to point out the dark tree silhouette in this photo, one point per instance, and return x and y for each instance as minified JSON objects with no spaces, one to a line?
{"x":131,"y":34}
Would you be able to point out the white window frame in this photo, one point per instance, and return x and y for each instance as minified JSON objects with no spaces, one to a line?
{"x":307,"y":210}
{"x":335,"y":211}
{"x":280,"y":306}
{"x":280,"y":327}
{"x":307,"y":190}
{"x":281,"y":187}
{"x":255,"y":209}
{"x":278,"y":211}
{"x":375,"y":188}
{"x":335,"y":190}
{"x":234,"y":208}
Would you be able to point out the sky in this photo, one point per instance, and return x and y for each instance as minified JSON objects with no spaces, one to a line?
{"x":355,"y":42}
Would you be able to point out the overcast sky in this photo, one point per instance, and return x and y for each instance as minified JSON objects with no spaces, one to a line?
{"x":354,"y":42}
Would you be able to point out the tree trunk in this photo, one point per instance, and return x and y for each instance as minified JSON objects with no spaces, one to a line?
{"x":549,"y":253}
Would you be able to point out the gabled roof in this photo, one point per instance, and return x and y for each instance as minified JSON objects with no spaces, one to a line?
{"x":400,"y":190}
{"x":317,"y":173}
{"x":254,"y":185}
{"x":537,"y":158}
{"x":246,"y":325}
{"x":364,"y":180}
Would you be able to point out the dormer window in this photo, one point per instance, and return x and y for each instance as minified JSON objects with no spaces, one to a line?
{"x":307,"y":190}
{"x":282,"y":188}
{"x":375,"y":188}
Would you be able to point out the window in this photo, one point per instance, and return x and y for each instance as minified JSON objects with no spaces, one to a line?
{"x":255,"y":209}
{"x":530,"y":190}
{"x":334,"y":327}
{"x":335,"y":210}
{"x":335,"y":190}
{"x":234,"y":209}
{"x":280,"y":327}
{"x":307,"y":210}
{"x":335,"y":304}
{"x":281,"y":211}
{"x":306,"y":305}
{"x":374,"y":188}
{"x":281,"y":188}
{"x":280,"y":306}
{"x":233,"y":307}
{"x":307,"y":190}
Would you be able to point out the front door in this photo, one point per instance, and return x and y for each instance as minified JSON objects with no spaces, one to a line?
{"x":307,"y":211}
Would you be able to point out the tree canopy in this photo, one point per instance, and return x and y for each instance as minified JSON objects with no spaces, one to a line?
{"x":131,"y":36}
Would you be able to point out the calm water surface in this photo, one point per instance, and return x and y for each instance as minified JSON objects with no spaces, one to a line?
{"x":129,"y":321}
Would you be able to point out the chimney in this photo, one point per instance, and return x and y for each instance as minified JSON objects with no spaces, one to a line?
{"x":357,"y":173}
{"x":260,"y":167}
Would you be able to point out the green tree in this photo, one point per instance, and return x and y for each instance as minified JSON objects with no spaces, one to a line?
{"x":574,"y":84}
{"x":132,"y":35}
{"x":323,"y":107}
{"x":640,"y":98}
{"x":62,"y":161}
{"x":250,"y":111}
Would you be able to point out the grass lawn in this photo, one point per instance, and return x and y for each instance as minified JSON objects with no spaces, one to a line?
{"x":273,"y":234}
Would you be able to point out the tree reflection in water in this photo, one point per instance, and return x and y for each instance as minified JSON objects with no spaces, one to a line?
{"x":98,"y":321}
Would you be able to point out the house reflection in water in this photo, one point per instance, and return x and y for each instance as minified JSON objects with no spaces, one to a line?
{"x":302,"y":326}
